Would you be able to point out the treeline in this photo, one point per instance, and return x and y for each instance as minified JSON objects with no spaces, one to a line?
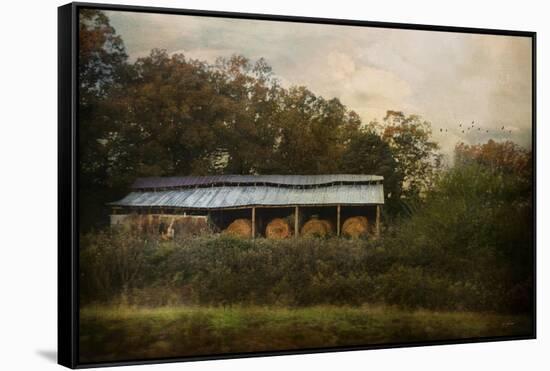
{"x":165,"y":114}
{"x":469,"y":247}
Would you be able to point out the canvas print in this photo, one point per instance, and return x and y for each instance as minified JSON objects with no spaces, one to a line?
{"x":261,"y":186}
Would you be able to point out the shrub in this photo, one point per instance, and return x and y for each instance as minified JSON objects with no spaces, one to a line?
{"x":111,"y":262}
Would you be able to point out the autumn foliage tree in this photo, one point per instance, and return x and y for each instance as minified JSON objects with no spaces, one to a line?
{"x":507,"y":157}
{"x":170,"y":117}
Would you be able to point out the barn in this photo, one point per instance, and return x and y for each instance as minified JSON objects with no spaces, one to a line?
{"x":274,"y":206}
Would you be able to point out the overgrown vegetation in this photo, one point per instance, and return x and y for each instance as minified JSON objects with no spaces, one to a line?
{"x":121,"y":268}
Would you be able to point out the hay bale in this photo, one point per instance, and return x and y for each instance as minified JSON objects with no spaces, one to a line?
{"x":328,"y":226}
{"x":239,"y":228}
{"x":317,"y":228}
{"x":278,"y":229}
{"x":356,"y":227}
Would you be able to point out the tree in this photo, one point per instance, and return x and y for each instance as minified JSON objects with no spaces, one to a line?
{"x":507,"y":157}
{"x":416,"y":154}
{"x":367,"y":153}
{"x":312,"y":133}
{"x":510,"y":164}
{"x":101,"y":55}
{"x":102,"y":59}
{"x":173,"y":119}
{"x":252,"y":96}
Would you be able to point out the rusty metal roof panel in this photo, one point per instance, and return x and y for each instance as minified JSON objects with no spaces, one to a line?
{"x":245,"y":196}
{"x":284,"y":180}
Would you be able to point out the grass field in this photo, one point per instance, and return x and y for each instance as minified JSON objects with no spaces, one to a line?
{"x":121,"y":333}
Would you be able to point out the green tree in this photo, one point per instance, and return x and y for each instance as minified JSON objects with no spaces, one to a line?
{"x":313,"y":133}
{"x":367,"y":153}
{"x":251,"y":94}
{"x":102,"y":59}
{"x":416,"y":154}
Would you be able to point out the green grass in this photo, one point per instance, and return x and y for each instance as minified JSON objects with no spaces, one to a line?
{"x":122,"y":333}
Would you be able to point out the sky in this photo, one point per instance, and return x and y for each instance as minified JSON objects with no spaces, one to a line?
{"x":447,"y":78}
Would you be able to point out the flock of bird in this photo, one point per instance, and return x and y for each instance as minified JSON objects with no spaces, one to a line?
{"x":472,"y":126}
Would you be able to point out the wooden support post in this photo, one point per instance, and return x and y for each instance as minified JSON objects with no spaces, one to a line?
{"x":377,"y":226}
{"x":296,"y":223}
{"x":253,"y":222}
{"x":338,"y":220}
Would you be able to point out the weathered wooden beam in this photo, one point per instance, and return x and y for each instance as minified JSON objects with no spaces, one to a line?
{"x":338,"y":220}
{"x":253,"y":222}
{"x":377,"y":225}
{"x":296,"y":222}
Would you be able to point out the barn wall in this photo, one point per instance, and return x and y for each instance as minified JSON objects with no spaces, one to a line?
{"x":167,"y":225}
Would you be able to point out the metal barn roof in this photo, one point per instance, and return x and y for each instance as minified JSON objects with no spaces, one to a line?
{"x":281,"y":180}
{"x":225,"y":197}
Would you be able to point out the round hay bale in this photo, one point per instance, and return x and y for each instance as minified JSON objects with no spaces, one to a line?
{"x":328,"y":226}
{"x":277,"y":229}
{"x":356,"y":227}
{"x":317,"y":228}
{"x":239,"y":228}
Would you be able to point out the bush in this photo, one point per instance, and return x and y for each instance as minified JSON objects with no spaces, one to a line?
{"x":219,"y":270}
{"x":223,"y":271}
{"x":111,"y":262}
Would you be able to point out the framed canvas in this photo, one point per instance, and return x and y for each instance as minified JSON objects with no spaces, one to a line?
{"x":237,"y":185}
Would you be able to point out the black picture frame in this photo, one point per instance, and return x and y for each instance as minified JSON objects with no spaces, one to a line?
{"x":68,"y":179}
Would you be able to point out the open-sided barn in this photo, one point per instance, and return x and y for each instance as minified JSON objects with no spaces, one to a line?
{"x":276,"y":206}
